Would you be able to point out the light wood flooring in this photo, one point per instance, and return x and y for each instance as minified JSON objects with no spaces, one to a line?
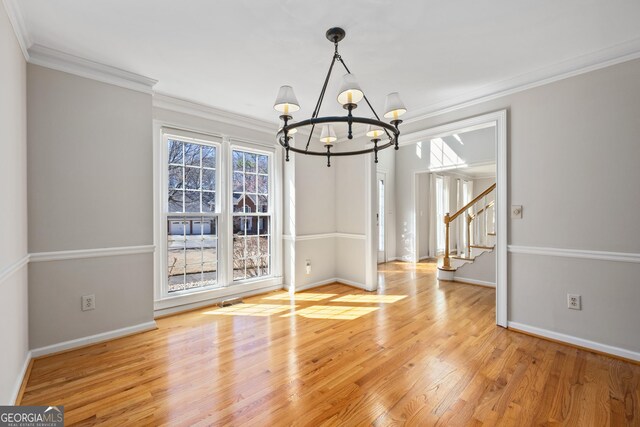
{"x":415,"y":353}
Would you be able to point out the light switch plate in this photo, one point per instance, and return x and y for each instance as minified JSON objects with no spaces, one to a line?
{"x":516,"y":211}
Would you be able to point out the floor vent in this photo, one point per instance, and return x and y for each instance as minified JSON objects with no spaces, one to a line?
{"x":232,"y":301}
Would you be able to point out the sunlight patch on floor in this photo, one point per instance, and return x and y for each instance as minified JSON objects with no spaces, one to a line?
{"x":337,"y":312}
{"x":306,"y":296}
{"x":370,"y":298}
{"x":260,"y":310}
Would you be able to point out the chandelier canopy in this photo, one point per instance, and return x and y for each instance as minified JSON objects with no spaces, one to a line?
{"x":383,"y":135}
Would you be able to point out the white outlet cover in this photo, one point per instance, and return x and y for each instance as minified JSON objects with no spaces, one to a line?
{"x":88,"y":302}
{"x":574,"y":302}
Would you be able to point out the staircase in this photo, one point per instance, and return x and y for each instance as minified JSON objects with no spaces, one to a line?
{"x":478,"y":221}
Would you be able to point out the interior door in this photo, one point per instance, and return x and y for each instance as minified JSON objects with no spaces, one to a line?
{"x":382,"y":241}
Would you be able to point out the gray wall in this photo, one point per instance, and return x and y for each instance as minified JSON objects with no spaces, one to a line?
{"x":89,"y":186}
{"x":13,"y":213}
{"x":584,"y":127}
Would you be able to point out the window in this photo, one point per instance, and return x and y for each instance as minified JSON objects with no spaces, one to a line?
{"x":251,"y":214}
{"x":191,"y":214}
{"x":442,"y":156}
{"x":442,"y":206}
{"x":214,"y":221}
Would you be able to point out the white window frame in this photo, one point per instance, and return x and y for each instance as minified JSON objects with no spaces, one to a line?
{"x":166,"y":303}
{"x":238,"y":145}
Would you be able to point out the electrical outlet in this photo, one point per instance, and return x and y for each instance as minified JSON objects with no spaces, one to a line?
{"x":574,"y":302}
{"x":308,"y":266}
{"x":88,"y":302}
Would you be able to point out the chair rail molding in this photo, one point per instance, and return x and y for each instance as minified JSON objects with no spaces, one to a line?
{"x":90,"y":253}
{"x":319,"y":236}
{"x":12,"y":268}
{"x":576,"y":253}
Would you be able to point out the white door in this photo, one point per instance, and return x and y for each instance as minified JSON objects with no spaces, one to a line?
{"x":380,"y":181}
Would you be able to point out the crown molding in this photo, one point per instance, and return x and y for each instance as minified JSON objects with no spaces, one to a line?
{"x":19,"y":27}
{"x":62,"y":61}
{"x":180,"y":105}
{"x":603,"y":58}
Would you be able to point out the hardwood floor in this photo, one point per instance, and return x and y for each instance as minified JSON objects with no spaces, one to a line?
{"x":417,"y":353}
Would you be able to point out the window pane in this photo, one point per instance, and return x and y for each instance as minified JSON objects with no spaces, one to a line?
{"x":208,"y":179}
{"x":208,"y":156}
{"x":263,"y":225}
{"x":192,"y":252}
{"x":238,"y":181}
{"x":263,"y":204}
{"x":263,"y":184}
{"x":264,"y":245}
{"x":175,"y":176}
{"x":175,"y":200}
{"x":264,"y":266}
{"x":192,"y":154}
{"x":251,"y":267}
{"x":192,"y":201}
{"x":238,"y":161}
{"x":208,"y":201}
{"x":250,"y":183}
{"x":175,"y":154}
{"x":250,"y":162}
{"x":192,"y":178}
{"x":263,"y":162}
{"x":238,"y":202}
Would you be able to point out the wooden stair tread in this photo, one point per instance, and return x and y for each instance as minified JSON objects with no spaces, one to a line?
{"x":482,"y":247}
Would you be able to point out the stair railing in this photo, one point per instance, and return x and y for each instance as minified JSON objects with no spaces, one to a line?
{"x":448,"y":219}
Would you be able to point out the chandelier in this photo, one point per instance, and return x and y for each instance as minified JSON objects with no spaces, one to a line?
{"x":383,"y":135}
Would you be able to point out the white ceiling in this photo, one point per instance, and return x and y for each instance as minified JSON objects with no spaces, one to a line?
{"x":235,"y":54}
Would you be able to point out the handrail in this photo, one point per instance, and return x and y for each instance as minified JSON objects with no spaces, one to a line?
{"x":446,"y":262}
{"x":473,"y":202}
{"x":474,"y":215}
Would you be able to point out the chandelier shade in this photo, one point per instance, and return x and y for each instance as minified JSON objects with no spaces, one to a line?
{"x":383,"y":135}
{"x":350,"y":92}
{"x":393,"y":106}
{"x":286,"y":101}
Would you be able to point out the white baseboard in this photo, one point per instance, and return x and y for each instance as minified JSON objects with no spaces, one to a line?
{"x":93,"y":339}
{"x":212,"y":301}
{"x":474,"y":282}
{"x":581,"y":342}
{"x":327,"y":282}
{"x":20,"y":379}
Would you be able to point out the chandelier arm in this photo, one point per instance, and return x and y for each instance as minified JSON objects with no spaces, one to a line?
{"x":364,"y":96}
{"x":316,"y":111}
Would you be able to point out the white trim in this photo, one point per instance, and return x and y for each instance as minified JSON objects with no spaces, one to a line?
{"x":62,"y":61}
{"x":572,"y":67}
{"x":20,"y":379}
{"x":9,"y":270}
{"x":319,"y":236}
{"x":214,"y":294}
{"x":19,"y":27}
{"x":474,"y":281}
{"x":328,"y":282}
{"x":180,"y":105}
{"x":90,"y":253}
{"x":576,"y":253}
{"x":570,"y":339}
{"x":499,"y":119}
{"x":93,"y":339}
{"x":213,"y":300}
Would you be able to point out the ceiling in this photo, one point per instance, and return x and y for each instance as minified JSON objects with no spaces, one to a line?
{"x":234,"y":55}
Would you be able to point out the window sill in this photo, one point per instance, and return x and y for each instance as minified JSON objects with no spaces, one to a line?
{"x":213,"y":295}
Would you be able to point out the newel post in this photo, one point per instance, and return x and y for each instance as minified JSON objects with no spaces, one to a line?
{"x":446,"y":264}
